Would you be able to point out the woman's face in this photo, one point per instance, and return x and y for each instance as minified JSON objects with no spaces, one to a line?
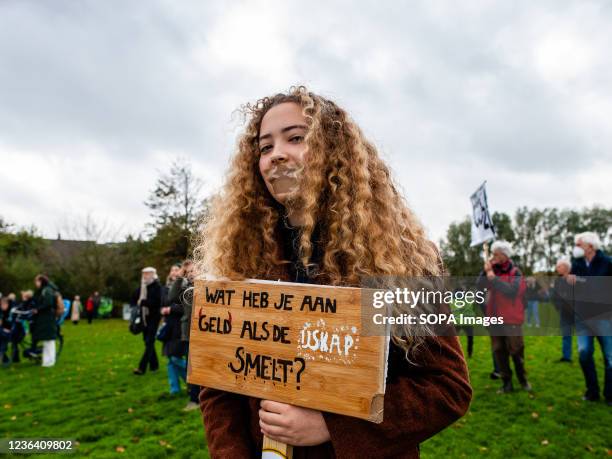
{"x":174,"y":271}
{"x":282,"y":149}
{"x":189,"y":272}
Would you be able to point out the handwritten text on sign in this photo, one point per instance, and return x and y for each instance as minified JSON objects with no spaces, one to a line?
{"x":294,"y":343}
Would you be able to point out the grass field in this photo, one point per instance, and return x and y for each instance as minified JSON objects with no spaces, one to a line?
{"x":92,"y":397}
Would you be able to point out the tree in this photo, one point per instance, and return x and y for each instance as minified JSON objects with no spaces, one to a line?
{"x":20,"y":258}
{"x":176,"y":207}
{"x":176,"y":198}
{"x":128,"y":259}
{"x":89,"y":262}
{"x":596,"y":219}
{"x":460,"y":259}
{"x":4,"y":225}
{"x":503,"y":226}
{"x":539,"y":236}
{"x":545,"y":235}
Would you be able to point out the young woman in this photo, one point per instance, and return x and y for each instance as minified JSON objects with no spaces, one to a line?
{"x":309,"y":200}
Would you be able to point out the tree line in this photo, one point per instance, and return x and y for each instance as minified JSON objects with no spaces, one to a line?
{"x":177,"y":208}
{"x":539,"y":237}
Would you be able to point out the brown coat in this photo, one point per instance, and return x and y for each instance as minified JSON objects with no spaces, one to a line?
{"x":420,"y":401}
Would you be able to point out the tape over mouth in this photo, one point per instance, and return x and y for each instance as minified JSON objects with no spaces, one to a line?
{"x":284,"y":178}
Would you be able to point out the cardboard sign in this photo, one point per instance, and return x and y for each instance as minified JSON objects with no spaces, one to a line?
{"x":294,"y":343}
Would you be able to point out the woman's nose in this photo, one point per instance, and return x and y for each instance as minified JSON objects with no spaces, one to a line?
{"x":278,"y":159}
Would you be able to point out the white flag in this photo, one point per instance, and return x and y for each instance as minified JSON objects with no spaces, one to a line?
{"x":482,"y":225}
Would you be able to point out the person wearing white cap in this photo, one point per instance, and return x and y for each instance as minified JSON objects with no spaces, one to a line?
{"x":506,"y":289}
{"x":148,"y":297}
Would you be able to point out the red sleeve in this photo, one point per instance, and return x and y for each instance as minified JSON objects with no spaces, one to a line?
{"x":419,"y":402}
{"x":226,"y":419}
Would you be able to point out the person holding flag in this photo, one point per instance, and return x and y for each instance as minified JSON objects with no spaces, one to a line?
{"x":482,"y":232}
{"x":506,"y":288}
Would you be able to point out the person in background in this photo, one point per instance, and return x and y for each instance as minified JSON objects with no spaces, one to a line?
{"x":96,"y":303}
{"x":44,"y":327}
{"x":532,"y":296}
{"x":506,"y":294}
{"x":12,"y":298}
{"x":175,"y":271}
{"x":89,"y":309}
{"x":27,"y":298}
{"x":75,"y":311}
{"x":181,"y":292}
{"x":5,"y":330}
{"x":174,"y":347}
{"x":592,"y":265}
{"x":4,"y":301}
{"x":148,"y":297}
{"x":482,"y":307}
{"x":464,"y":308}
{"x":12,"y":329}
{"x":19,"y":332}
{"x":562,"y":298}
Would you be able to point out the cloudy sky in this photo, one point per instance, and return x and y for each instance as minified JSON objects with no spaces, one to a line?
{"x":97,"y":96}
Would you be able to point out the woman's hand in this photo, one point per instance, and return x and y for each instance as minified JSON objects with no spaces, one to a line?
{"x":165,"y":310}
{"x":292,"y":425}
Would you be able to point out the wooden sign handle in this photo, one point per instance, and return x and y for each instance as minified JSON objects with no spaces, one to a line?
{"x":273,"y":449}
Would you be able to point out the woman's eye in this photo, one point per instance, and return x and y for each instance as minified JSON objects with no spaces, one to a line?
{"x":265,"y":148}
{"x":296,"y":139}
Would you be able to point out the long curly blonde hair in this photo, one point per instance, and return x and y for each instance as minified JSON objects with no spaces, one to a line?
{"x":364,"y":226}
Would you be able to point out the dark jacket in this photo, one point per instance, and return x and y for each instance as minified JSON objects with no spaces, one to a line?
{"x":562,"y":296}
{"x":174,"y":346}
{"x":592,"y":290}
{"x":153,"y":303}
{"x":44,"y":326}
{"x":181,"y":293}
{"x":4,"y":318}
{"x":420,"y":400}
{"x":600,"y":265}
